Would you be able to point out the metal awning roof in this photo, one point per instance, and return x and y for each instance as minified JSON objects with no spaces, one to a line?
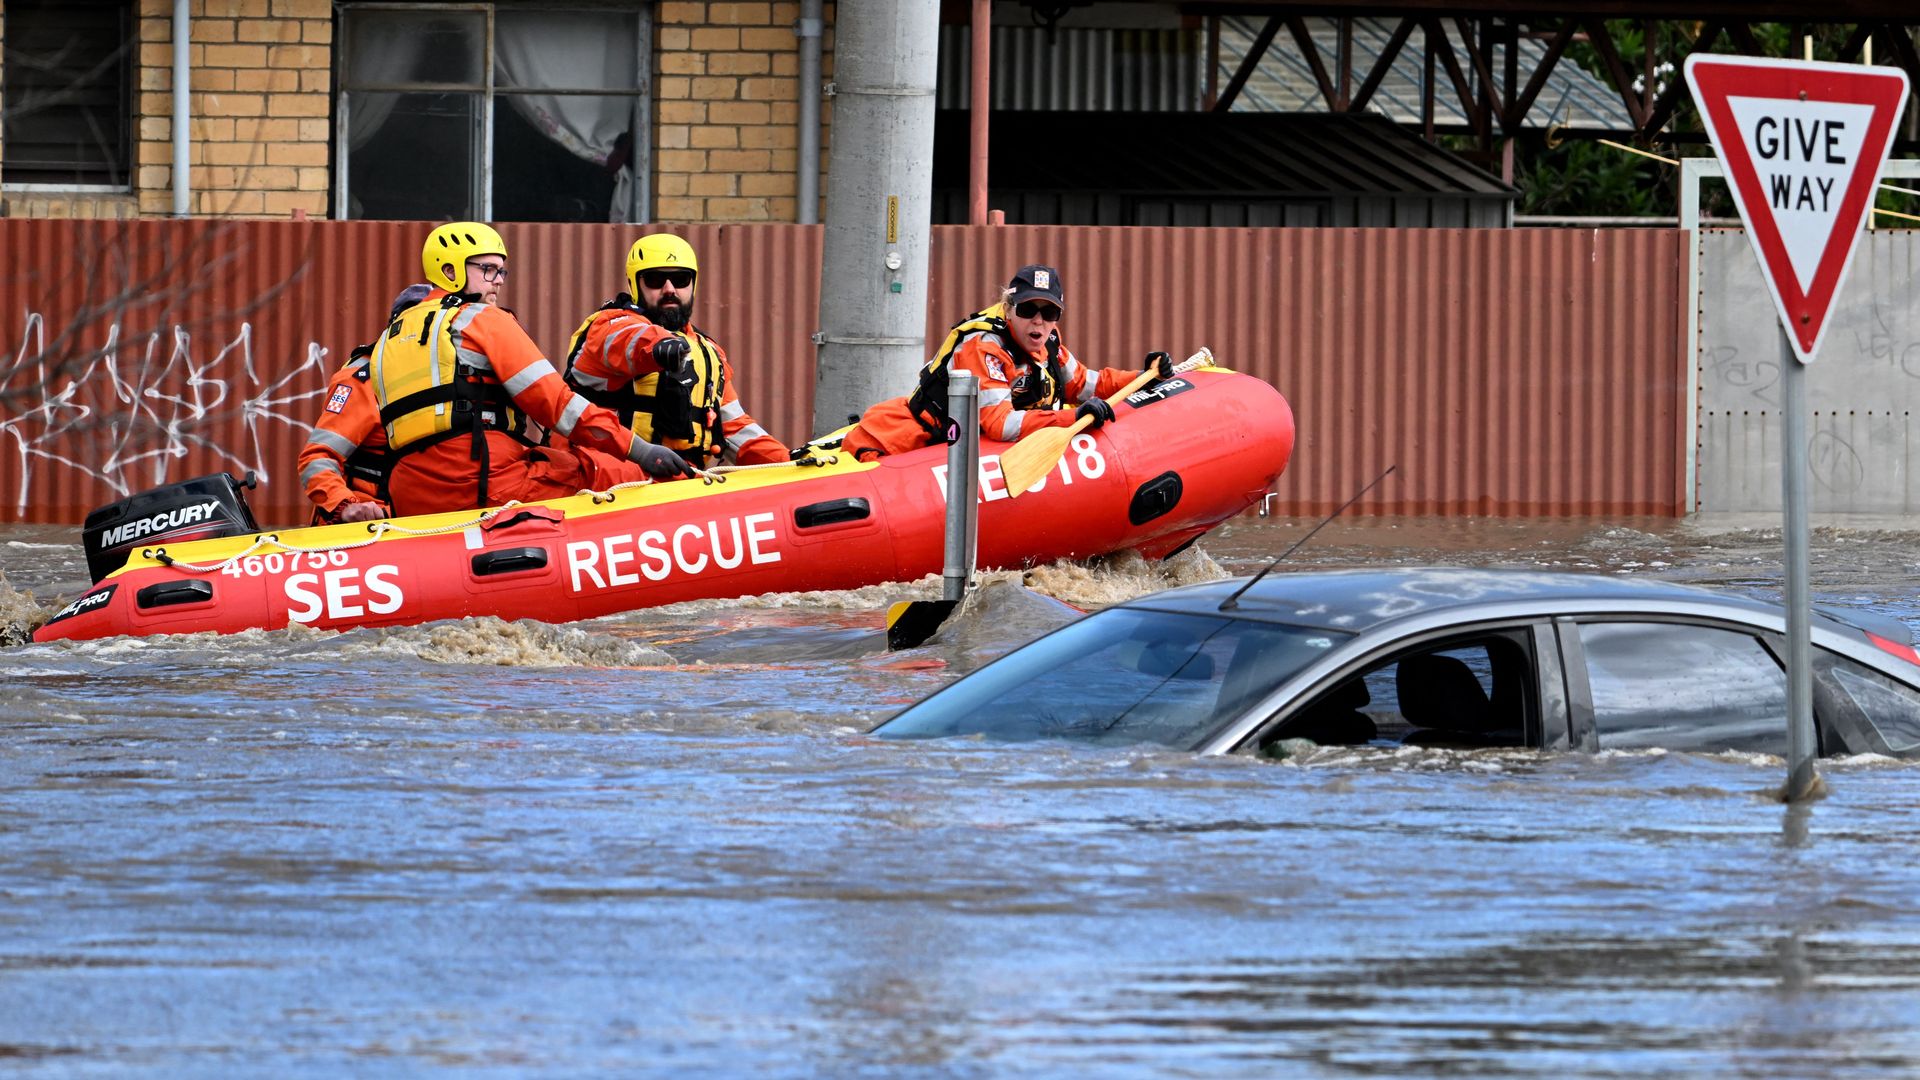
{"x":1284,"y":81}
{"x":1265,"y":155}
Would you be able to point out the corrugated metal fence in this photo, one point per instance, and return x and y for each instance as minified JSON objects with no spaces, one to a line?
{"x":1505,"y":372}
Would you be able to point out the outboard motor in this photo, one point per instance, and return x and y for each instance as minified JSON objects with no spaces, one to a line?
{"x":198,"y":509}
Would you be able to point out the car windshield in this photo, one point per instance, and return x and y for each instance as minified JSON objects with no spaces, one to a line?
{"x":1123,"y":675}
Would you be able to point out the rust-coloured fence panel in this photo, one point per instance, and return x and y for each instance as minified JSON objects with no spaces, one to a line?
{"x":1506,"y":372}
{"x":144,"y":351}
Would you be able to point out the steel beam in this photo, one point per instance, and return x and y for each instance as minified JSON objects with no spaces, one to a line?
{"x":1248,"y":64}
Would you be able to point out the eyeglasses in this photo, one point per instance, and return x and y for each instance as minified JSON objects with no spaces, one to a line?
{"x":489,"y":271}
{"x":658,"y":279}
{"x":1028,"y":309}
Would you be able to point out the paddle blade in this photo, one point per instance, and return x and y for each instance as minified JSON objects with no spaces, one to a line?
{"x":911,"y":622}
{"x":1028,"y":461}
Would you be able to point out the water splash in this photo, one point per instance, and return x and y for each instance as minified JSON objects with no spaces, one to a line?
{"x":20,"y":614}
{"x":1121,"y":577}
{"x":494,"y":641}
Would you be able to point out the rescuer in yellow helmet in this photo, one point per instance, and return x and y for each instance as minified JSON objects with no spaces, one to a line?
{"x":465,"y":397}
{"x":641,"y":356}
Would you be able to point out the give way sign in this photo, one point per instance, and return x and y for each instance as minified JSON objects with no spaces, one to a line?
{"x":1803,"y":145}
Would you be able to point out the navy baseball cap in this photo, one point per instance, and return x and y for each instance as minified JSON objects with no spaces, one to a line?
{"x":1037,"y":283}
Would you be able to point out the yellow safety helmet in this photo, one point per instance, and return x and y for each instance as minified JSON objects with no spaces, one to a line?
{"x":454,"y":243}
{"x":659,"y":251}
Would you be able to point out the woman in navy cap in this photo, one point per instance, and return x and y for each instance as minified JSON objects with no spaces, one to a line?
{"x":1028,"y":378}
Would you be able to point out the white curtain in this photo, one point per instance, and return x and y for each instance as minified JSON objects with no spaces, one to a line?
{"x":384,"y":58}
{"x":573,"y":49}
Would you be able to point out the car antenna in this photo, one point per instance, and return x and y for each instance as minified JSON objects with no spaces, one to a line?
{"x":1233,"y":601}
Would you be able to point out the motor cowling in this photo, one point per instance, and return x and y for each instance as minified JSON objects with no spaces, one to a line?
{"x":198,"y":509}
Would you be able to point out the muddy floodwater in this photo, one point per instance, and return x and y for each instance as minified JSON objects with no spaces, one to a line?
{"x":660,"y":844}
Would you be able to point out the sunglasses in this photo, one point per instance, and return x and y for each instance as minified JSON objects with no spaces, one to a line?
{"x":489,"y":271}
{"x":658,"y":279}
{"x":1028,"y":309}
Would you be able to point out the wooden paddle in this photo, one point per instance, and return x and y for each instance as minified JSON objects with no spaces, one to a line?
{"x":1028,"y":461}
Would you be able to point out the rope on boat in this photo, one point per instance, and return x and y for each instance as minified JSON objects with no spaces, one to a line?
{"x":382,"y":527}
{"x":796,"y":463}
{"x":379,"y":529}
{"x":605,"y":495}
{"x":718,"y":474}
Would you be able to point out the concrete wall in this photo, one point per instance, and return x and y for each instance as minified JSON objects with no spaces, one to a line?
{"x":1862,"y":389}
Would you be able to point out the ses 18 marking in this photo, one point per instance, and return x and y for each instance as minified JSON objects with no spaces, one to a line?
{"x":1082,"y":457}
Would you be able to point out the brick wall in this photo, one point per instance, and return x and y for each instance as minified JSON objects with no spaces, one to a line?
{"x":262,"y":71}
{"x":727,"y":97}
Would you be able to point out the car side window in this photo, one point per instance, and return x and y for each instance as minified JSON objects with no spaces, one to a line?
{"x":1684,"y":688}
{"x":1862,"y":711}
{"x":1463,"y":694}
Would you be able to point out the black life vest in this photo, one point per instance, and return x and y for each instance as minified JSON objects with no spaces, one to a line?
{"x":1039,"y":386}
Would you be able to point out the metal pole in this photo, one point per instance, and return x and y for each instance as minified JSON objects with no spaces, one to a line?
{"x":807,"y":189}
{"x":182,"y":111}
{"x":1793,"y":485}
{"x":980,"y":103}
{"x":970,"y":434}
{"x":873,"y":267}
{"x":963,"y":483}
{"x":1691,"y":172}
{"x":639,"y":132}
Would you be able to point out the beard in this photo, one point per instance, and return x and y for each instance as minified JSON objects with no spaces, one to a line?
{"x":674,"y":318}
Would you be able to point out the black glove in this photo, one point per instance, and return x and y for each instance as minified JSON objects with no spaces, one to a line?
{"x":658,"y":461}
{"x":671,"y":353}
{"x":1096,"y":408}
{"x":1160,"y":364}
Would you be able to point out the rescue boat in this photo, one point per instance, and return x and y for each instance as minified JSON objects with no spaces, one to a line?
{"x":1178,"y":459}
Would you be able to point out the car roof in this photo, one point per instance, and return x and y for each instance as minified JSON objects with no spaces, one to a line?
{"x":1360,"y":600}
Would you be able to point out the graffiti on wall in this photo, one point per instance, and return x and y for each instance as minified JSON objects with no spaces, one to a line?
{"x":128,"y":411}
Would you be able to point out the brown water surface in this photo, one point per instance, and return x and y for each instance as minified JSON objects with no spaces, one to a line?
{"x":660,"y":843}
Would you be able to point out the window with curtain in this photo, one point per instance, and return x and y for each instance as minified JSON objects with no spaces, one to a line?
{"x":492,"y":112}
{"x":68,"y":93}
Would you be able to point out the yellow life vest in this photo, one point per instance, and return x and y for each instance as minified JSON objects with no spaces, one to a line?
{"x":679,"y":410}
{"x":430,"y":386}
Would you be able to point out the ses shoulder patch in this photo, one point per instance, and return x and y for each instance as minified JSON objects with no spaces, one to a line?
{"x":338,"y":402}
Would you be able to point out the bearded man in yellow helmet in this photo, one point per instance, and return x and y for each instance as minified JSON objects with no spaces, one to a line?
{"x":641,"y":356}
{"x":464,"y":395}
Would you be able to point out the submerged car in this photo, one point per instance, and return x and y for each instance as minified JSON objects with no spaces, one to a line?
{"x":1458,"y":658}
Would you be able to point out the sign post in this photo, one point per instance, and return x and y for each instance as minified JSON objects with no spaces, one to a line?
{"x":1803,"y":145}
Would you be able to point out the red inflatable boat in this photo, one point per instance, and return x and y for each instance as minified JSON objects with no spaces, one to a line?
{"x":1179,"y":459}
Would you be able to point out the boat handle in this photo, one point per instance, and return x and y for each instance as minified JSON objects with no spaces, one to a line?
{"x":509,"y":560}
{"x":168,"y":593}
{"x":831,"y":512}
